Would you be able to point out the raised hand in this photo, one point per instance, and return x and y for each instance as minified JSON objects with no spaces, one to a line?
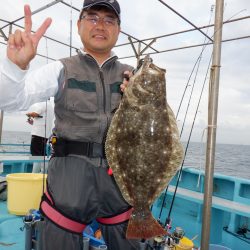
{"x":22,"y":45}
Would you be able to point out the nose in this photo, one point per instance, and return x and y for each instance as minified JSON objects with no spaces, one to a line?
{"x":100,"y":23}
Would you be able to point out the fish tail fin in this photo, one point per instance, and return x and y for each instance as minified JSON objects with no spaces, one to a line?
{"x":143,"y":227}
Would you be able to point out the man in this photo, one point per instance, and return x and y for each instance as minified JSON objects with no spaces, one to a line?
{"x":87,"y":91}
{"x":40,"y":117}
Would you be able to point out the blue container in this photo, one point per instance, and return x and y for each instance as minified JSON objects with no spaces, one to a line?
{"x":89,"y":233}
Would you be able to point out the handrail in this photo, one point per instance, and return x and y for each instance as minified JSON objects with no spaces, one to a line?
{"x":23,"y":159}
{"x":10,"y":150}
{"x":7,"y":151}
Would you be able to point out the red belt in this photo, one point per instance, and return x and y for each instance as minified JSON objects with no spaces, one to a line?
{"x":49,"y":210}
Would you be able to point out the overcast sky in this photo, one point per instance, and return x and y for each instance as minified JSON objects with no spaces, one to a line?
{"x":143,"y":19}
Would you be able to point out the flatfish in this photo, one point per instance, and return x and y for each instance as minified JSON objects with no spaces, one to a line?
{"x":143,"y":147}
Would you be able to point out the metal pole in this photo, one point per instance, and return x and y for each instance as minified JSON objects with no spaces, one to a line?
{"x":28,"y":224}
{"x":1,"y":125}
{"x":212,"y":124}
{"x":178,"y":14}
{"x":34,"y":12}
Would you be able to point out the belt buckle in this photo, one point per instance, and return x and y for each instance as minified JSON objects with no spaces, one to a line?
{"x":98,"y":150}
{"x":53,"y":140}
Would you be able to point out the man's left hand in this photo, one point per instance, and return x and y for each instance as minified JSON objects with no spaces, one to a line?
{"x":126,"y":76}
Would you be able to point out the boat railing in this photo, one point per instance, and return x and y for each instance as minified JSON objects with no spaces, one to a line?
{"x":14,"y":148}
{"x":230,"y":194}
{"x":16,"y":158}
{"x":19,"y":148}
{"x":19,"y":163}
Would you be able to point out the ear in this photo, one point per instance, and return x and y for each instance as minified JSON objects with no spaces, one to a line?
{"x":78,"y":25}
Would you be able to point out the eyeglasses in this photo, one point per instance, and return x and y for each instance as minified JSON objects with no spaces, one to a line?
{"x":94,"y":19}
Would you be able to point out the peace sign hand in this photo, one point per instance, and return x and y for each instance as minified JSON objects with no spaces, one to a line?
{"x":22,"y":45}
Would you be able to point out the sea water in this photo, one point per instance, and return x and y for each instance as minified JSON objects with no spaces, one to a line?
{"x":230,"y":159}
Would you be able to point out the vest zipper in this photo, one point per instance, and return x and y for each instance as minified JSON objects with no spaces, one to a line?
{"x":104,"y":91}
{"x":104,"y":106}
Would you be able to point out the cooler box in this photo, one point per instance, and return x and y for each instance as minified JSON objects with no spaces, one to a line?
{"x":24,"y":192}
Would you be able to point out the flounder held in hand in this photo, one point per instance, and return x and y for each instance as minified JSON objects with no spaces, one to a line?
{"x":143,"y":147}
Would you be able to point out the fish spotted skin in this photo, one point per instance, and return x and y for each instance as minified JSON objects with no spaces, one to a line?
{"x":143,"y":147}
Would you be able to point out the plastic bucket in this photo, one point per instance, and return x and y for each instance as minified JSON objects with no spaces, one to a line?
{"x":24,"y":192}
{"x":185,"y":244}
{"x":218,"y":247}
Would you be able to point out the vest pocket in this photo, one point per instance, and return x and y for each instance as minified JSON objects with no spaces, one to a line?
{"x":81,"y":96}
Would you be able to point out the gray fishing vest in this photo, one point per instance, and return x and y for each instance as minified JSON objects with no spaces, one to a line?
{"x":88,"y":98}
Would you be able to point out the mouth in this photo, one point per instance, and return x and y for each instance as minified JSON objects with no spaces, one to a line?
{"x":99,"y":37}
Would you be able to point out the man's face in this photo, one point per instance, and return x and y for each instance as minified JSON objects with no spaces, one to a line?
{"x":98,"y":36}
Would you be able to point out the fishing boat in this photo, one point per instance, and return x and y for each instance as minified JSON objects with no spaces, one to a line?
{"x":210,"y":210}
{"x":230,"y":209}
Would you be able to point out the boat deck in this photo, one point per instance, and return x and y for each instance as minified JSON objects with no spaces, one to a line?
{"x":230,"y":208}
{"x":12,"y":235}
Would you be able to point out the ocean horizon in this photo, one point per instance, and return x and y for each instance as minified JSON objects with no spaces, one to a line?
{"x":230,"y":159}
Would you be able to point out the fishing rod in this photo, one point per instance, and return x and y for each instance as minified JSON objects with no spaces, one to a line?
{"x":165,"y":193}
{"x":168,"y":220}
{"x":178,"y":14}
{"x":184,"y":31}
{"x":191,"y":94}
{"x":186,"y":148}
{"x":179,"y":175}
{"x":186,"y":87}
{"x":186,"y":47}
{"x":163,"y":202}
{"x":197,"y":61}
{"x":45,"y":151}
